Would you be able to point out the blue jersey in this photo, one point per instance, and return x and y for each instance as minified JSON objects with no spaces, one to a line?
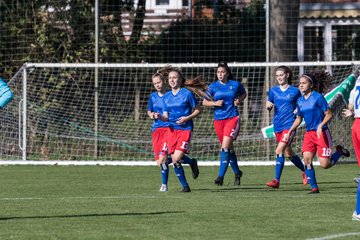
{"x":228,"y":93}
{"x":179,"y":105}
{"x":312,"y":110}
{"x":284,"y":106}
{"x":156,"y":104}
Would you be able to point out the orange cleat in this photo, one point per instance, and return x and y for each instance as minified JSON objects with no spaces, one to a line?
{"x":273,"y":184}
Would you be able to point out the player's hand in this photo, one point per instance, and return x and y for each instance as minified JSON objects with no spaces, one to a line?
{"x":269,"y":106}
{"x":236,"y":102}
{"x":181,"y":120}
{"x":285,"y":137}
{"x":346,"y":113}
{"x":156,"y":115}
{"x":319,"y":131}
{"x":218,"y":103}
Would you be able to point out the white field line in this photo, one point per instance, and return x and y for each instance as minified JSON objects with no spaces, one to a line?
{"x":131,"y":163}
{"x":340,"y":235}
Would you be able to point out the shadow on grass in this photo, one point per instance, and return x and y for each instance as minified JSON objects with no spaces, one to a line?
{"x":89,"y":215}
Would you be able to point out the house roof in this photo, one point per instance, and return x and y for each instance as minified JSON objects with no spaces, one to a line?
{"x":329,"y":10}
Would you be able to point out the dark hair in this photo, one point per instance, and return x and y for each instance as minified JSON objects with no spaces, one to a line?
{"x":286,"y":70}
{"x":320,"y":80}
{"x":228,"y":70}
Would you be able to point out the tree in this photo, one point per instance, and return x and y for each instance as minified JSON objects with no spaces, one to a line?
{"x":283,"y":30}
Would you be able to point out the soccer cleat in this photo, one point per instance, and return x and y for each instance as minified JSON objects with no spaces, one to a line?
{"x":314,"y":190}
{"x":304,"y":179}
{"x":186,"y":189}
{"x":273,"y":184}
{"x":163,"y":188}
{"x":355,"y":216}
{"x":194,"y":169}
{"x":343,"y":151}
{"x":219,"y":181}
{"x":237,"y":180}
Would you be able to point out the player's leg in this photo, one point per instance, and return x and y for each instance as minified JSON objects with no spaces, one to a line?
{"x":158,"y":138}
{"x":295,"y":159}
{"x":179,"y":171}
{"x":181,"y":147}
{"x":327,"y":160}
{"x":231,"y":130}
{"x":224,"y":153}
{"x":280,"y":159}
{"x":224,"y":160}
{"x":356,"y":214}
{"x":193,"y":165}
{"x":309,"y":149}
{"x":355,"y":136}
{"x":310,"y":172}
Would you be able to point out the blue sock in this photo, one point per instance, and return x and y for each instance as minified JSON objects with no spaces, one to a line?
{"x":334,"y":158}
{"x":297,"y":162}
{"x":233,"y":162}
{"x":280,"y":161}
{"x":310,"y":174}
{"x":179,"y":171}
{"x":224,"y":162}
{"x":164,"y":173}
{"x":186,"y":160}
{"x":357,"y":209}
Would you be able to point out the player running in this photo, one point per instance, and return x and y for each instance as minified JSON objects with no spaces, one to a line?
{"x":225,"y":92}
{"x":160,"y":127}
{"x":313,"y":108}
{"x":354,"y":110}
{"x":282,"y":99}
{"x":180,"y":107}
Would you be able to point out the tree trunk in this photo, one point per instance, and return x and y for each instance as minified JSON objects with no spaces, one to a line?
{"x":283,"y":30}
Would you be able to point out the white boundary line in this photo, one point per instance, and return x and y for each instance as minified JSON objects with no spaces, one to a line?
{"x":340,"y":235}
{"x":130,"y":163}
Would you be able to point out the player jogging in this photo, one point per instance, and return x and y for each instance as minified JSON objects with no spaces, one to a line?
{"x":313,"y":108}
{"x":354,"y":110}
{"x":160,"y":127}
{"x":224,"y":93}
{"x":282,"y":98}
{"x":180,"y":107}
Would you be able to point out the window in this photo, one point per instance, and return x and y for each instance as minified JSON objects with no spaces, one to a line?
{"x":162,"y":2}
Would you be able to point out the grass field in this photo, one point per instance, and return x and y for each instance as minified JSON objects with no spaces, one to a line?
{"x":87,"y":202}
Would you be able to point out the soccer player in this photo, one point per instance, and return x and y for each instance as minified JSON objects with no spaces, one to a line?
{"x":282,"y":99}
{"x":225,"y":91}
{"x":354,"y":110}
{"x":5,"y":93}
{"x":313,"y":108}
{"x":160,"y":127}
{"x":180,"y":107}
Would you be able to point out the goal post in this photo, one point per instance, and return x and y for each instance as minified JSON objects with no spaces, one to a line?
{"x":56,"y":116}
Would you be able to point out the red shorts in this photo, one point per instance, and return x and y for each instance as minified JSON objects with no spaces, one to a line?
{"x":280,"y":137}
{"x":159,"y":141}
{"x":227,"y":128}
{"x":178,"y":140}
{"x":320,"y":145}
{"x":355,"y":133}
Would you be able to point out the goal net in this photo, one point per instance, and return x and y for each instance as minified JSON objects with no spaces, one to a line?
{"x":98,"y":112}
